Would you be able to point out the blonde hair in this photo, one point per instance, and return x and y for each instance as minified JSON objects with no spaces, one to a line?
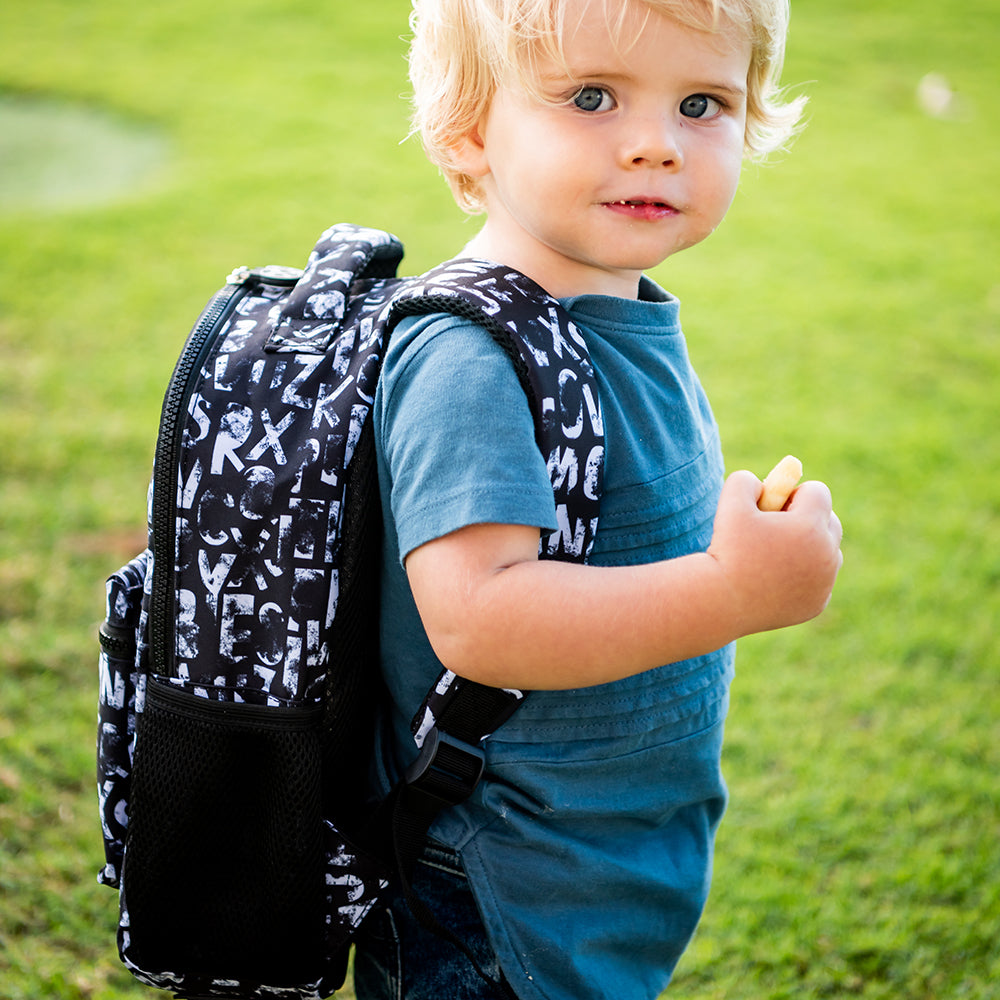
{"x":462,"y":50}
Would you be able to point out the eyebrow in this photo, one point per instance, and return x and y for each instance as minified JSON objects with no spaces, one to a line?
{"x":731,"y":90}
{"x":734,"y":94}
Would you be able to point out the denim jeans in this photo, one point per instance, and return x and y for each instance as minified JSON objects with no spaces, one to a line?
{"x":398,"y":959}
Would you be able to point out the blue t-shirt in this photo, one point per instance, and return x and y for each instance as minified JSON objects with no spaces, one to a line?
{"x":588,"y":843}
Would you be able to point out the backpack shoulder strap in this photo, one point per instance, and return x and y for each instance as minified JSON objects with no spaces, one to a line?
{"x":553,"y":364}
{"x":551,"y":359}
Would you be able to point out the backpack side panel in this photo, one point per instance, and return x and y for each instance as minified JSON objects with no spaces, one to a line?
{"x":118,"y":680}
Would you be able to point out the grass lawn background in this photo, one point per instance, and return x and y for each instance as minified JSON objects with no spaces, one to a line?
{"x":847,"y":311}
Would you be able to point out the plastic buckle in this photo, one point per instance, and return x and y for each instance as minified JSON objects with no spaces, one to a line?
{"x":447,"y":769}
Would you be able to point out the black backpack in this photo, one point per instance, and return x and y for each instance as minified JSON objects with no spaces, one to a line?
{"x":239,"y":673}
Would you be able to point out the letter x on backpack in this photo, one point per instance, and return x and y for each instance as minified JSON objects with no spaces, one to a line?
{"x":239,"y":673}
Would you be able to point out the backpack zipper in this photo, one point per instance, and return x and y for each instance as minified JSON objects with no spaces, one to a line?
{"x":163,"y":525}
{"x":285,"y":718}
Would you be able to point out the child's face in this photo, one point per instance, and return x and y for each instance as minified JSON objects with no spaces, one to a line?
{"x":635,"y":155}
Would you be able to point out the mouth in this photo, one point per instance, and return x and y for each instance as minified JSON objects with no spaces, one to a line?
{"x":642,"y":208}
{"x":640,"y":201}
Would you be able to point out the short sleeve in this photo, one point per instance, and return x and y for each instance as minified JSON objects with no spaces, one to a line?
{"x":455,"y":435}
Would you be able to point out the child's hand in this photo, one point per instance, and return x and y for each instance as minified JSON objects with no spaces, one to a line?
{"x":780,"y":566}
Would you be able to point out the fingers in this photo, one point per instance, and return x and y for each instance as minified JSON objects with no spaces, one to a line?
{"x":810,"y":500}
{"x":742,"y":485}
{"x":782,"y":566}
{"x":813,"y":500}
{"x":812,"y":496}
{"x":837,"y":533}
{"x":836,"y":528}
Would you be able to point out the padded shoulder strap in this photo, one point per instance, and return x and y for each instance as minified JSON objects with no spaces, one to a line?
{"x":551,"y":359}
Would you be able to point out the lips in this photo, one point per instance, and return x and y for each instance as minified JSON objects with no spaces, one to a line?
{"x":645,"y":209}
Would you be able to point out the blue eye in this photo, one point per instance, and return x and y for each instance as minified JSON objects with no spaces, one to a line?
{"x":700,"y":106}
{"x":592,"y":99}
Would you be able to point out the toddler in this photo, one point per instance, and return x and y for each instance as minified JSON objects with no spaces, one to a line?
{"x":597,"y":138}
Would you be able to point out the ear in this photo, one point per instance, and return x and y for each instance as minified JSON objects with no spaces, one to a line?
{"x":468,"y":154}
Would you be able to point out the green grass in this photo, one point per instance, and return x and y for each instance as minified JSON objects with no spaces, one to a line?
{"x":847,"y":311}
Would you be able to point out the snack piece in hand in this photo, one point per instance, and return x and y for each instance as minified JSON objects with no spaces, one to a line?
{"x":780,"y":482}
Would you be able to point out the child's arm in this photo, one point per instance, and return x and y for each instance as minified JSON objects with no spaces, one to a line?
{"x":496,"y":614}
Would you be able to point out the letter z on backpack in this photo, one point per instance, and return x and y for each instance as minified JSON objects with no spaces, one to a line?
{"x":239,"y":672}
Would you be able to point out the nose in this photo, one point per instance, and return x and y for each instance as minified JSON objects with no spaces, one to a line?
{"x":653,"y":141}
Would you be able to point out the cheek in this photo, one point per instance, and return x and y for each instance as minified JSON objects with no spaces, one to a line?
{"x":543,"y":172}
{"x":727,"y":166}
{"x":732,"y":182}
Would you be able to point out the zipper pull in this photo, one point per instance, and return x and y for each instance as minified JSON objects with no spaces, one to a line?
{"x":271,"y":274}
{"x":239,"y":276}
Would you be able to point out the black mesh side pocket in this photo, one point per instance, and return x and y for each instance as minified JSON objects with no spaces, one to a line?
{"x":223,"y":872}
